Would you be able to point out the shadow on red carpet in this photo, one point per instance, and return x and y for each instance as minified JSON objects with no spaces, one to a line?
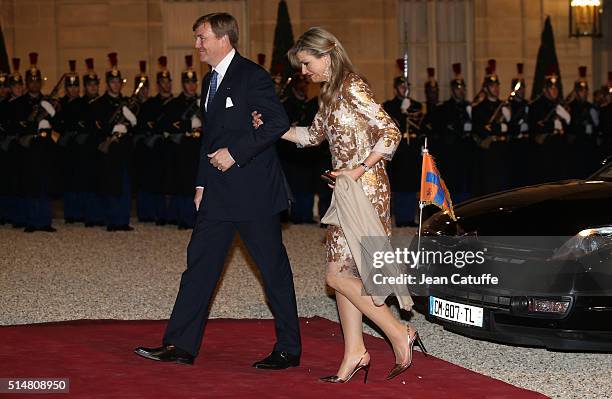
{"x":96,"y":355}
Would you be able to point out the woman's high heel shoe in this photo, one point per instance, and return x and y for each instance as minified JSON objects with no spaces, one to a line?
{"x":400,"y":368}
{"x":337,"y":380}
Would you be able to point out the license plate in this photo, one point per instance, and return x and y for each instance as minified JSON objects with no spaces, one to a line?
{"x":457,"y":312}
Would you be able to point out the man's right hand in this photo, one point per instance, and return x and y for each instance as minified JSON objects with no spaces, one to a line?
{"x":198,"y":197}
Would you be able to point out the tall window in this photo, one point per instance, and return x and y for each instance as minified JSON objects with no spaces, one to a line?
{"x":179,"y":15}
{"x":437,"y":33}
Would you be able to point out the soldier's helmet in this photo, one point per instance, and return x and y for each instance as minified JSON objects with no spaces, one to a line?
{"x":91,"y":75}
{"x":163,"y":72}
{"x":490,"y":73}
{"x":72,"y":78}
{"x":33,"y":74}
{"x":141,"y":77}
{"x":519,"y":76}
{"x":581,"y":82}
{"x":457,"y":81}
{"x":551,"y":79}
{"x":189,"y":75}
{"x":4,"y":78}
{"x":113,"y":72}
{"x":15,"y":77}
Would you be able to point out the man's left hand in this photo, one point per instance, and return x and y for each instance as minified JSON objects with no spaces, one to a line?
{"x":222,"y":159}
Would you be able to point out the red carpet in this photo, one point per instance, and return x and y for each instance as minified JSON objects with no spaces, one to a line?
{"x":97,"y":357}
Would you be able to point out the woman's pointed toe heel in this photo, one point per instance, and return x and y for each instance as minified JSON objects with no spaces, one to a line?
{"x":334,"y":379}
{"x":401,"y":367}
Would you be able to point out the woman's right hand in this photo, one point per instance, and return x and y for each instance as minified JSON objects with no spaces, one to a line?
{"x":257,"y":121}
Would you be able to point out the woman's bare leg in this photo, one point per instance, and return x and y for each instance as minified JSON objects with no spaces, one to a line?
{"x":351,"y":289}
{"x":352,"y":329}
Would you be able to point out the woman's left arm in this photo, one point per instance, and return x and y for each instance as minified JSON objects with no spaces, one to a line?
{"x":380,"y":125}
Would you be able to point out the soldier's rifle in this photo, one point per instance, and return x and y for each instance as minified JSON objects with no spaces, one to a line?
{"x":38,"y":111}
{"x":117,"y":118}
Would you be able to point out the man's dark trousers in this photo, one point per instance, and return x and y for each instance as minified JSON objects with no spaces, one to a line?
{"x":208,"y":248}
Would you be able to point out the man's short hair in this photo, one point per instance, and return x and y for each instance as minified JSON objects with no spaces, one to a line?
{"x":221,"y":24}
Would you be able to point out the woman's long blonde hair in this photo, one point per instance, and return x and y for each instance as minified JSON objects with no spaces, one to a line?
{"x":319,"y":42}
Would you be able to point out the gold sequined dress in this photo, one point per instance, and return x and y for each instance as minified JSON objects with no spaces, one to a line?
{"x":354,"y":126}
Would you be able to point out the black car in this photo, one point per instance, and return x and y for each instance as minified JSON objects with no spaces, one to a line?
{"x":550,"y":248}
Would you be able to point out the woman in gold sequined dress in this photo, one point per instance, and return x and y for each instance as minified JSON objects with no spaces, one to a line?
{"x":361,"y":135}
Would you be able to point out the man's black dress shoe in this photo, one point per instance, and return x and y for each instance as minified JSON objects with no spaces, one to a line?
{"x":168,"y":353}
{"x":278,"y":361}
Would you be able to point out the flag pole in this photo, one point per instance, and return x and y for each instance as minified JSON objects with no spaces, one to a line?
{"x":421,"y":206}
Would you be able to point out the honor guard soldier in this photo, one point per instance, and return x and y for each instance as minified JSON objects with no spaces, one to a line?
{"x":90,"y":158}
{"x":404,"y":167}
{"x":549,"y":121}
{"x":183,"y":125}
{"x":151,"y":188}
{"x":33,"y":114}
{"x":606,"y":117}
{"x":521,"y":148}
{"x":490,"y":117}
{"x":583,"y":129}
{"x":299,"y":165}
{"x":70,"y":123}
{"x":5,"y":167}
{"x":457,"y":148}
{"x":16,"y":206}
{"x":144,"y":208}
{"x":114,"y":120}
{"x":519,"y":106}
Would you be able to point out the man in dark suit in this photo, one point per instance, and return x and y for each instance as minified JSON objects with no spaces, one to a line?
{"x":240,"y":188}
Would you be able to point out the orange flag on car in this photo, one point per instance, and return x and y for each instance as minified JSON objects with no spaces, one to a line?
{"x":433,"y":189}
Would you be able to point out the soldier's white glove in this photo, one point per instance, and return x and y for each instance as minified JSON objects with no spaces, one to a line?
{"x":563,"y":114}
{"x":405,"y":105}
{"x":507,"y":113}
{"x":468,"y":109}
{"x":524,"y":127}
{"x":594,"y":116}
{"x":467,"y":127}
{"x":44,"y":124}
{"x":195,"y":122}
{"x":48,"y":107}
{"x":129,"y":115}
{"x":120,"y":128}
{"x":588,"y":129}
{"x":198,"y":101}
{"x":558,"y":125}
{"x":504,"y":128}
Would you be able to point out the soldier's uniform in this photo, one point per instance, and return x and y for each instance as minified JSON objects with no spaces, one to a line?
{"x":182,"y":123}
{"x":548,"y":123}
{"x":521,"y":148}
{"x":606,"y":119}
{"x":113,"y":122}
{"x":404,"y":167}
{"x":583,"y":130}
{"x":89,"y":161}
{"x":145,"y":208}
{"x":299,"y":165}
{"x":33,"y":115}
{"x":70,"y":123}
{"x":457,"y":149}
{"x":490,"y":117}
{"x":15,"y":205}
{"x":5,"y":169}
{"x":151,"y":146}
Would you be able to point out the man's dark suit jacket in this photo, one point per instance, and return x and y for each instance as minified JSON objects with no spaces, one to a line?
{"x":254,"y":186}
